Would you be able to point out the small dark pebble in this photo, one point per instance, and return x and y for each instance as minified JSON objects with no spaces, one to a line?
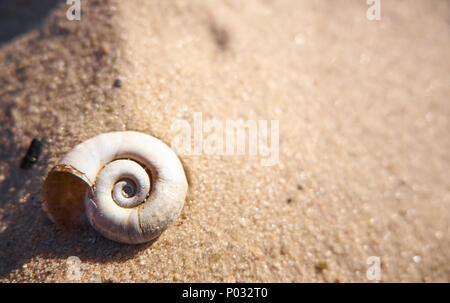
{"x":117,"y":83}
{"x":105,"y":49}
{"x":321,"y":266}
{"x":289,"y":200}
{"x":32,"y":155}
{"x":221,"y":37}
{"x":299,"y":187}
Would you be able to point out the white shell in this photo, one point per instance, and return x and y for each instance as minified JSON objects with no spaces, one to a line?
{"x":133,"y":186}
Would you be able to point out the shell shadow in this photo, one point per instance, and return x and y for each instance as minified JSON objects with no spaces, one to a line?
{"x":19,"y":16}
{"x":25,"y":230}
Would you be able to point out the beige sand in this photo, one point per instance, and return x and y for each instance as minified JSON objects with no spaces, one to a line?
{"x":364,"y":137}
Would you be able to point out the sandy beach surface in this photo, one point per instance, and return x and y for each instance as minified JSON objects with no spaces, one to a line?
{"x":363,"y":164}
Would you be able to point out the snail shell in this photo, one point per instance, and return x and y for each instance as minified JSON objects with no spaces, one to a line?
{"x":131,"y":186}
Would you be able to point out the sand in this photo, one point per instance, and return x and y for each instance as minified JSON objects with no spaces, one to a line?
{"x":363,"y":117}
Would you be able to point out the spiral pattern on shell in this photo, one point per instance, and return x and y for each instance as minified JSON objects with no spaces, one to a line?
{"x":131,"y":186}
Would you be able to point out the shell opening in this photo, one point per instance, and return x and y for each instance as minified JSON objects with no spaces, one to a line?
{"x":62,"y":195}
